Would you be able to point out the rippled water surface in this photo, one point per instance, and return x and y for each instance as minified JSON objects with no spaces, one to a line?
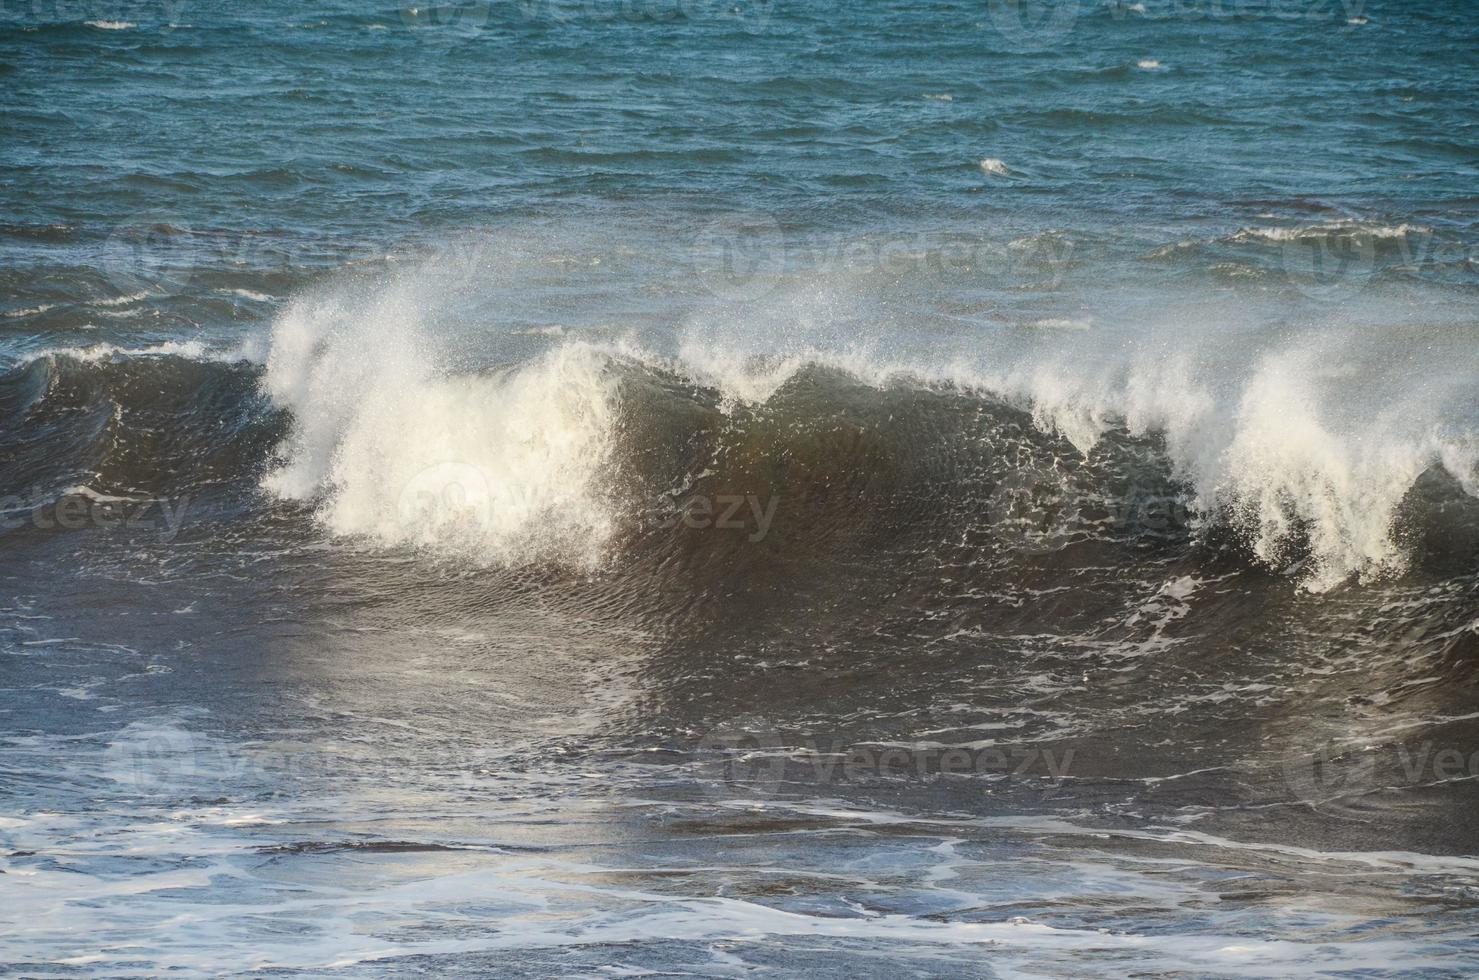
{"x":710,"y":489}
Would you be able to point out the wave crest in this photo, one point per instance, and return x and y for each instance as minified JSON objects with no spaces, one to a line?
{"x":1299,"y":442}
{"x":503,"y":465}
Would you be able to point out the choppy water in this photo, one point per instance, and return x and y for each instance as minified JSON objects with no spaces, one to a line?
{"x":694,"y":488}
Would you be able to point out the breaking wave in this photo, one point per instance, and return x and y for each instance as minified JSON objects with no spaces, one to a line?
{"x":1327,"y":452}
{"x":1304,"y":446}
{"x":504,"y":464}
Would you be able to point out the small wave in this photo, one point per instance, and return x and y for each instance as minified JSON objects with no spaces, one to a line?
{"x":56,"y":232}
{"x":131,"y":423}
{"x":30,"y":310}
{"x":82,"y":490}
{"x":1355,"y":228}
{"x":939,"y":96}
{"x":991,"y":165}
{"x":251,"y":295}
{"x":112,"y":25}
{"x":98,"y":353}
{"x":1147,"y":64}
{"x":1238,"y":270}
{"x":119,"y":300}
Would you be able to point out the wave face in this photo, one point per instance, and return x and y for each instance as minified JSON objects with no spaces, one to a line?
{"x":1295,"y":444}
{"x":1327,"y":449}
{"x":136,"y":422}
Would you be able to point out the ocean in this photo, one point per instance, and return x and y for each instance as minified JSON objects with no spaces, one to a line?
{"x":580,"y":488}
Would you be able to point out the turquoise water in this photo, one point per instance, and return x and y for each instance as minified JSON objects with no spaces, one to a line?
{"x":681,"y":487}
{"x":282,"y":137}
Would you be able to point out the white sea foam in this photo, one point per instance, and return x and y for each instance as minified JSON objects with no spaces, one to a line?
{"x":1301,"y":441}
{"x":240,"y":907}
{"x":1148,"y":64}
{"x":1369,"y":229}
{"x":393,"y":446}
{"x":124,"y":300}
{"x":255,"y":297}
{"x":991,"y":165}
{"x":97,"y":353}
{"x":1063,"y":323}
{"x":29,"y":311}
{"x":112,"y":25}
